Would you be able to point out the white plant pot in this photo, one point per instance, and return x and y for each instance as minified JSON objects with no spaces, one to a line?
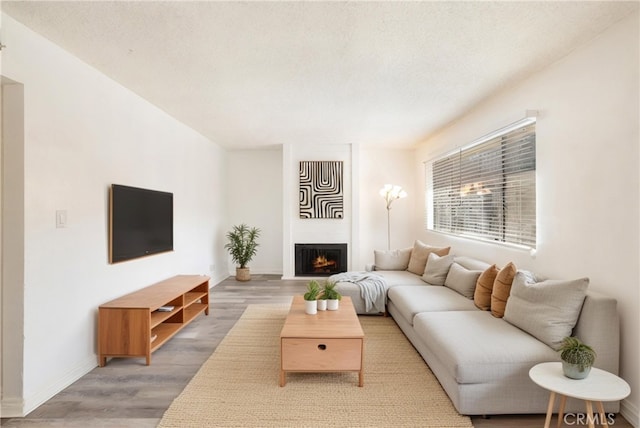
{"x":311,"y":307}
{"x":332,"y":304}
{"x":322,"y":305}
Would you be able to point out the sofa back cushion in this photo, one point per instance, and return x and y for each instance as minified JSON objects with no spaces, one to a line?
{"x":547,"y":310}
{"x":470,"y":263}
{"x":437,"y":268}
{"x":484,"y":287}
{"x":501,"y":289}
{"x":392,"y":259}
{"x":420,"y":254}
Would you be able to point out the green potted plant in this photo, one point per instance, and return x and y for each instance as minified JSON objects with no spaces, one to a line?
{"x":311,"y":297}
{"x":331,"y":295}
{"x":242,"y":246}
{"x":577,"y":358}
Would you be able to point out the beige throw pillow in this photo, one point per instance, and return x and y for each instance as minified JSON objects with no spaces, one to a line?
{"x":435,"y":273}
{"x":420,"y":254}
{"x":484,"y":287}
{"x":460,"y":279}
{"x":548,"y":310}
{"x":392,"y":259}
{"x":501,"y":290}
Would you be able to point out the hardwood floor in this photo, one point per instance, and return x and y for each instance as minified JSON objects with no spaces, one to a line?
{"x":127,"y":393}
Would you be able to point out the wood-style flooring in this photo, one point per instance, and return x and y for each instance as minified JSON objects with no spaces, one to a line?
{"x":127,"y":393}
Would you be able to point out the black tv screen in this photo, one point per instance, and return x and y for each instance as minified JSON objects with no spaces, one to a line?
{"x":141,"y":222}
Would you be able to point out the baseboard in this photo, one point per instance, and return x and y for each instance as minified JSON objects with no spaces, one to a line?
{"x":630,"y":412}
{"x":12,"y":407}
{"x":64,"y":380}
{"x":217,"y":280}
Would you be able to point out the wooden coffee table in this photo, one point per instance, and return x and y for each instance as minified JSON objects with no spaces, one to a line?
{"x":330,"y":341}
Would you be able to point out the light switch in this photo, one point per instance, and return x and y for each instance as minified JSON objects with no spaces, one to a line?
{"x":61,"y":218}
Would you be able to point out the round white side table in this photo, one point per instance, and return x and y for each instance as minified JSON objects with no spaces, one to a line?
{"x":599,"y":386}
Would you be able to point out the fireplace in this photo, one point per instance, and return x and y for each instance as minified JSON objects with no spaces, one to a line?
{"x":320,"y":259}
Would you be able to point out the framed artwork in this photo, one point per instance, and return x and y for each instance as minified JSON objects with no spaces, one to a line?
{"x":321,"y":189}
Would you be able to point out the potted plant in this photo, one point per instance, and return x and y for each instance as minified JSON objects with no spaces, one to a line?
{"x":242,"y":246}
{"x":311,"y":297}
{"x":577,"y":358}
{"x":322,"y":302}
{"x":332,"y":296}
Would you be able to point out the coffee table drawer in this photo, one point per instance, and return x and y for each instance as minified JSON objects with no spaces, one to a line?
{"x":321,"y":354}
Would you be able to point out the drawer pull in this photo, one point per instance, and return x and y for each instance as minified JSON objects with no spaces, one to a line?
{"x":322,"y":347}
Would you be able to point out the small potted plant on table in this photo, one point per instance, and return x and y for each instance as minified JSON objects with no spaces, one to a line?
{"x":311,"y":297}
{"x":322,"y":301}
{"x":332,"y":296}
{"x":577,"y":358}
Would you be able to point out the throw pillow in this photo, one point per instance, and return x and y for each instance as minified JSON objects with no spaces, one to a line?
{"x":484,"y":287}
{"x":392,"y":259}
{"x":501,"y":290}
{"x":420,"y":254}
{"x":547,"y":310}
{"x":461,"y":279}
{"x":435,"y":273}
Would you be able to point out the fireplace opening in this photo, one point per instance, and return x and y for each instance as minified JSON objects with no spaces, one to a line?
{"x":320,"y":259}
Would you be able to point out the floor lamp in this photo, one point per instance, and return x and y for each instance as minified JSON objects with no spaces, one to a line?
{"x":390,"y":193}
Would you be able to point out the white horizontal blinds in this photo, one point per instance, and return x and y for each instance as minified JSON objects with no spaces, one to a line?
{"x":489,"y":190}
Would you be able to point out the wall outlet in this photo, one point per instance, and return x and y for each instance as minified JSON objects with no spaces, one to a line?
{"x":61,"y":218}
{"x":212,"y":268}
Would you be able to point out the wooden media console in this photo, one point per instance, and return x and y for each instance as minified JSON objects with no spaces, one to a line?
{"x":133,"y":325}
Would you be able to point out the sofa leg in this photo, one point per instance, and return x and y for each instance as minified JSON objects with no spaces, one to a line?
{"x":486,"y":417}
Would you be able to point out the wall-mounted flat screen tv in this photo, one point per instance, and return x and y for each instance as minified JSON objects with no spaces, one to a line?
{"x":140,"y":222}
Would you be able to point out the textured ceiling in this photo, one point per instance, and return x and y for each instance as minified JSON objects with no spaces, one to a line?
{"x":251,"y":74}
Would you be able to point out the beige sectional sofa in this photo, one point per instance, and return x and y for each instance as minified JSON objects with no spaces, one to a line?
{"x":481,"y":360}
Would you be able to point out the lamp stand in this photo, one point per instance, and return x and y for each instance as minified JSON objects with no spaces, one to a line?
{"x":388,"y":228}
{"x":390,"y":193}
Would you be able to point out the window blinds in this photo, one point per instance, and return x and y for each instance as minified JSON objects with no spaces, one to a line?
{"x":488,"y":190}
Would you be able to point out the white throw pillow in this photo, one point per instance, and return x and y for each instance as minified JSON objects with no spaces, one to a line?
{"x":435,"y":273}
{"x":547,"y":310}
{"x":462,"y":280}
{"x":392,"y":259}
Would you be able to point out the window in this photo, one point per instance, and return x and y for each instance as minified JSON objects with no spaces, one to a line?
{"x":487,"y":190}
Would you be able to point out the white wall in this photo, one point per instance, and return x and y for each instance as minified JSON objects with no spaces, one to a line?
{"x":297,"y":230}
{"x":83,"y":132}
{"x":263,"y":192}
{"x":587,"y":176}
{"x":254,"y":195}
{"x":378,"y":167}
{"x":12,"y":313}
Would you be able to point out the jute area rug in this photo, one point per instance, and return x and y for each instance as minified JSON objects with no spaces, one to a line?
{"x":238,"y":385}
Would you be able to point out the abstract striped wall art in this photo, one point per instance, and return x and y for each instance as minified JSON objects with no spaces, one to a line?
{"x":321,"y":189}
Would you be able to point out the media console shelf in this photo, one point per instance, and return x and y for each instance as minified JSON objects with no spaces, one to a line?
{"x":133,"y":325}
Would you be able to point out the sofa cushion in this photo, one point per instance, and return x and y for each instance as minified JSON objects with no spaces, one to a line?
{"x":547,"y":310}
{"x":437,"y":268}
{"x":484,"y":287}
{"x":419,"y":255}
{"x":476,"y":347}
{"x":411,"y":300}
{"x":462,"y":280}
{"x":471,"y":263}
{"x":392,"y":259}
{"x":400,"y":277}
{"x":501,"y":289}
